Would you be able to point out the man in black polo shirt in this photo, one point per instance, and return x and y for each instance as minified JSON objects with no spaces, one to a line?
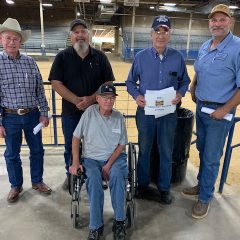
{"x":76,"y":74}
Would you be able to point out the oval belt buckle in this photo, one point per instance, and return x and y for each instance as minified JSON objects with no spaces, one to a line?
{"x":19,"y":111}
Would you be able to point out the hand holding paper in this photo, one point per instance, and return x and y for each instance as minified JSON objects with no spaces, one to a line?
{"x":210,"y":110}
{"x":40,"y":126}
{"x":159,"y":102}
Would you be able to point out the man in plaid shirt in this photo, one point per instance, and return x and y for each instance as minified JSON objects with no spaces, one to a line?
{"x":23,"y":105}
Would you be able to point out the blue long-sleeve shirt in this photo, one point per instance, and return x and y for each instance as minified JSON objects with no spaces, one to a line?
{"x":152,"y":73}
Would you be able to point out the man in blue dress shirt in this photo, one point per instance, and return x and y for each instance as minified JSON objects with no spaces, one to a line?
{"x":156,"y":68}
{"x":215,"y":86}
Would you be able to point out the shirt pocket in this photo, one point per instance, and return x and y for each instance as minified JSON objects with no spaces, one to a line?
{"x":29,"y":82}
{"x":174,"y":79}
{"x":219,"y":61}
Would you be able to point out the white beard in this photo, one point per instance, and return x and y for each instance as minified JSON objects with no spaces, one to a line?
{"x":81,"y":48}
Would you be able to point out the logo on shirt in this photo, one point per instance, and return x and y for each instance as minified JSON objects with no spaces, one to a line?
{"x":116,"y":130}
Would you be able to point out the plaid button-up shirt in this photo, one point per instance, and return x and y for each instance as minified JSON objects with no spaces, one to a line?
{"x":21,"y":84}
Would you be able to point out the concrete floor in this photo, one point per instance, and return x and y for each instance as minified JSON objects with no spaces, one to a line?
{"x":39,"y":217}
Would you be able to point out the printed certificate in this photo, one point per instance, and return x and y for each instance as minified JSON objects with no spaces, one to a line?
{"x":159,"y":102}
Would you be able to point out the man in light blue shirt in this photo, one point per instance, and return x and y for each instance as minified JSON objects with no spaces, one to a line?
{"x":103,"y":133}
{"x":215,"y":86}
{"x":156,"y":68}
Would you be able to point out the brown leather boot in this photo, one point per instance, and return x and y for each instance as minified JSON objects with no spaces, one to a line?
{"x":42,"y":187}
{"x":14,"y":194}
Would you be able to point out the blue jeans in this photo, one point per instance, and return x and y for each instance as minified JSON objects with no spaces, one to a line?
{"x":117,"y":181}
{"x":211,"y":137}
{"x":69,"y":123}
{"x":14,"y":125}
{"x":164,"y":128}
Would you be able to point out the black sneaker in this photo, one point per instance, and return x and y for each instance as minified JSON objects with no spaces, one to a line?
{"x":96,"y":234}
{"x":119,"y":230}
{"x":143,"y":192}
{"x":165,"y":197}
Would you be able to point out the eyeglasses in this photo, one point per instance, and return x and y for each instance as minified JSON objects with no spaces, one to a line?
{"x":159,"y":33}
{"x":12,"y":39}
{"x":106,"y":98}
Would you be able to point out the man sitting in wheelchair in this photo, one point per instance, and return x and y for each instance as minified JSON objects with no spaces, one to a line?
{"x":103,"y":133}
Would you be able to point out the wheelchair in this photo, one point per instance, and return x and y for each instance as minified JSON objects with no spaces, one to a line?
{"x":76,"y":183}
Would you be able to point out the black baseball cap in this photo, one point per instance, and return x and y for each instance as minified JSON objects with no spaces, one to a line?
{"x":106,"y":89}
{"x":161,"y":21}
{"x":77,"y":22}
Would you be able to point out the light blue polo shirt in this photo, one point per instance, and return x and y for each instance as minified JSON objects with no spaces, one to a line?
{"x":100,"y":135}
{"x":218,"y":70}
{"x":154,"y":73}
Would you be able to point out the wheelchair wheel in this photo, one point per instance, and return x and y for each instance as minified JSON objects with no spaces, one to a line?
{"x":132,"y":162}
{"x":130,"y":214}
{"x":71,"y":183}
{"x":75,"y":216}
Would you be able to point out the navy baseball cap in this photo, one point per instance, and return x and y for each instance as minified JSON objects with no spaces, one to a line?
{"x":77,"y":22}
{"x":106,"y":89}
{"x":161,"y":21}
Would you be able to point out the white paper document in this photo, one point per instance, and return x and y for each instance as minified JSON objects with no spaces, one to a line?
{"x":228,"y":116}
{"x":159,"y":102}
{"x":40,"y":126}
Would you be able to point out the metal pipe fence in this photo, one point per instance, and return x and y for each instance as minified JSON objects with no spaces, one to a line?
{"x":53,"y":136}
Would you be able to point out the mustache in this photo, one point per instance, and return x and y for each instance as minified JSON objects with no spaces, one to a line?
{"x":217,"y":28}
{"x":80,"y":39}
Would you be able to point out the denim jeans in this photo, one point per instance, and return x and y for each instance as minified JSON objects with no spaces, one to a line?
{"x":69,"y":123}
{"x":117,"y":182}
{"x":164,"y":128}
{"x":211,"y":137}
{"x":14,"y":125}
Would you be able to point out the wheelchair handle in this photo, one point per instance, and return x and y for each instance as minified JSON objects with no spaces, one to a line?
{"x":79,"y":172}
{"x":104,"y":184}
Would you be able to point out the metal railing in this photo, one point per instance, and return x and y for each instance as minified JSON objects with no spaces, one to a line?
{"x":53,"y":136}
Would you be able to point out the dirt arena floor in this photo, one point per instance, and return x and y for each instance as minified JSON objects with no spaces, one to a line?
{"x":126,"y":105}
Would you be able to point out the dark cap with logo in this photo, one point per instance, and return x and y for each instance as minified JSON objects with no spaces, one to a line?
{"x":106,"y":89}
{"x":161,"y":21}
{"x":78,"y":22}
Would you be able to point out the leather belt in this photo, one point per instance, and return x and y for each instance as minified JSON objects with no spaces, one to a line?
{"x":210,"y":103}
{"x":20,"y":111}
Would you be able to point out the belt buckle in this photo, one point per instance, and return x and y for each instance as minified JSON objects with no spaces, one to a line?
{"x":19,"y":111}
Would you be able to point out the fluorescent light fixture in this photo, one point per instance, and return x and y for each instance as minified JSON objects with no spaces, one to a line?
{"x":105,"y":1}
{"x":151,"y":7}
{"x":47,"y":4}
{"x":169,"y":4}
{"x":233,"y":7}
{"x":10,"y":2}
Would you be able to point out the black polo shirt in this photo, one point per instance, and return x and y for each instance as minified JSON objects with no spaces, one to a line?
{"x":81,"y":76}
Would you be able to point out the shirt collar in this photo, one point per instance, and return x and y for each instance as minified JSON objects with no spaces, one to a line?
{"x":224,"y":42}
{"x":9,"y":57}
{"x":156,"y":54}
